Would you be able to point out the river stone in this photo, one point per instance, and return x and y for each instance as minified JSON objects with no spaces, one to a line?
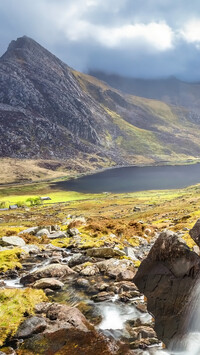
{"x":77,"y":259}
{"x":12,"y":240}
{"x":49,"y":271}
{"x":48,"y":283}
{"x":31,"y":326}
{"x":105,"y":252}
{"x":114,"y":267}
{"x":82,"y":282}
{"x":103,"y":296}
{"x":90,"y":270}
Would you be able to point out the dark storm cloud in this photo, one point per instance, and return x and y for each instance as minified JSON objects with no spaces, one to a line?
{"x":150,"y":38}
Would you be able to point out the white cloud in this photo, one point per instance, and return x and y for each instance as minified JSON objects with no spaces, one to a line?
{"x":191,"y":31}
{"x":158,"y":35}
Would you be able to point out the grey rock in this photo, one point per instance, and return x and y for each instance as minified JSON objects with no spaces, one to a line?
{"x":32,"y":231}
{"x":31,"y":249}
{"x":42,"y":232}
{"x":73,"y":232}
{"x":12,"y":240}
{"x":129,"y":251}
{"x":58,"y":234}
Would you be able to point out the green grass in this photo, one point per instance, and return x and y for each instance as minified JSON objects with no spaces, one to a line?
{"x":10,"y":259}
{"x":14,"y":304}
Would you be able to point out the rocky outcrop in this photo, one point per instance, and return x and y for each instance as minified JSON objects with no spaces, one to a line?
{"x":166,"y":277}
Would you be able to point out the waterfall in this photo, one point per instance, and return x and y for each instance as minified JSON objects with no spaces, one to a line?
{"x":188,"y":343}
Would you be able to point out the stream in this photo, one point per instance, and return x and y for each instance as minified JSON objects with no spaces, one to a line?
{"x":111,"y":317}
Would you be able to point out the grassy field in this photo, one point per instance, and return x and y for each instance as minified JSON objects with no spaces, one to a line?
{"x":173,"y":209}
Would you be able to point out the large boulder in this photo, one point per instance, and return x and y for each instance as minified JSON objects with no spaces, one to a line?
{"x":53,"y":270}
{"x":12,"y":241}
{"x":166,"y":277}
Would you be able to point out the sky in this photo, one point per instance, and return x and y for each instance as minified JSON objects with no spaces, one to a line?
{"x":134,"y":38}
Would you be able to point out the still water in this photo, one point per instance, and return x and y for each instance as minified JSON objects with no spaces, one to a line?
{"x":130,"y":179}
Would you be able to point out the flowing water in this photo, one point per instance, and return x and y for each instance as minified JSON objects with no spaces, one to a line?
{"x":189,"y":341}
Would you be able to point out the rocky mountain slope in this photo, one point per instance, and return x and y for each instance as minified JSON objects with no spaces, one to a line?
{"x":170,"y":90}
{"x":50,"y":111}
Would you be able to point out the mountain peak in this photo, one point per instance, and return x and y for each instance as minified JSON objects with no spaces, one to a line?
{"x":23,"y":46}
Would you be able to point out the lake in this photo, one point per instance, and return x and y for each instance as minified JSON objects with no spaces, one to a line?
{"x":130,"y":179}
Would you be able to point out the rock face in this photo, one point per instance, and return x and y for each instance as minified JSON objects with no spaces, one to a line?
{"x":166,"y":277}
{"x":195,"y":232}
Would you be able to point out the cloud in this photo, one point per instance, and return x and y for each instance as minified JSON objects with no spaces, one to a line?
{"x":138,"y":38}
{"x":191,"y":31}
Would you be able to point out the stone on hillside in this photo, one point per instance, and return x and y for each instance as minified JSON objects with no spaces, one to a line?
{"x":32,"y":231}
{"x":74,"y":219}
{"x":48,"y":283}
{"x":56,"y":235}
{"x":105,"y":252}
{"x":195,"y":232}
{"x":30,"y":326}
{"x":31,"y":249}
{"x":53,"y":270}
{"x":42,"y":232}
{"x":73,"y":232}
{"x":12,"y":241}
{"x":130,"y":253}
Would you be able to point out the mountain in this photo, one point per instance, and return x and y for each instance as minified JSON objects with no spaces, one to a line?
{"x":170,"y":90}
{"x":48,"y":111}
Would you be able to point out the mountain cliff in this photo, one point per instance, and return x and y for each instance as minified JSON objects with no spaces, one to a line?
{"x":49,"y":111}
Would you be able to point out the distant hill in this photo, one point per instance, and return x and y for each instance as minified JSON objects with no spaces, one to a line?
{"x":49,"y":111}
{"x":170,"y":90}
